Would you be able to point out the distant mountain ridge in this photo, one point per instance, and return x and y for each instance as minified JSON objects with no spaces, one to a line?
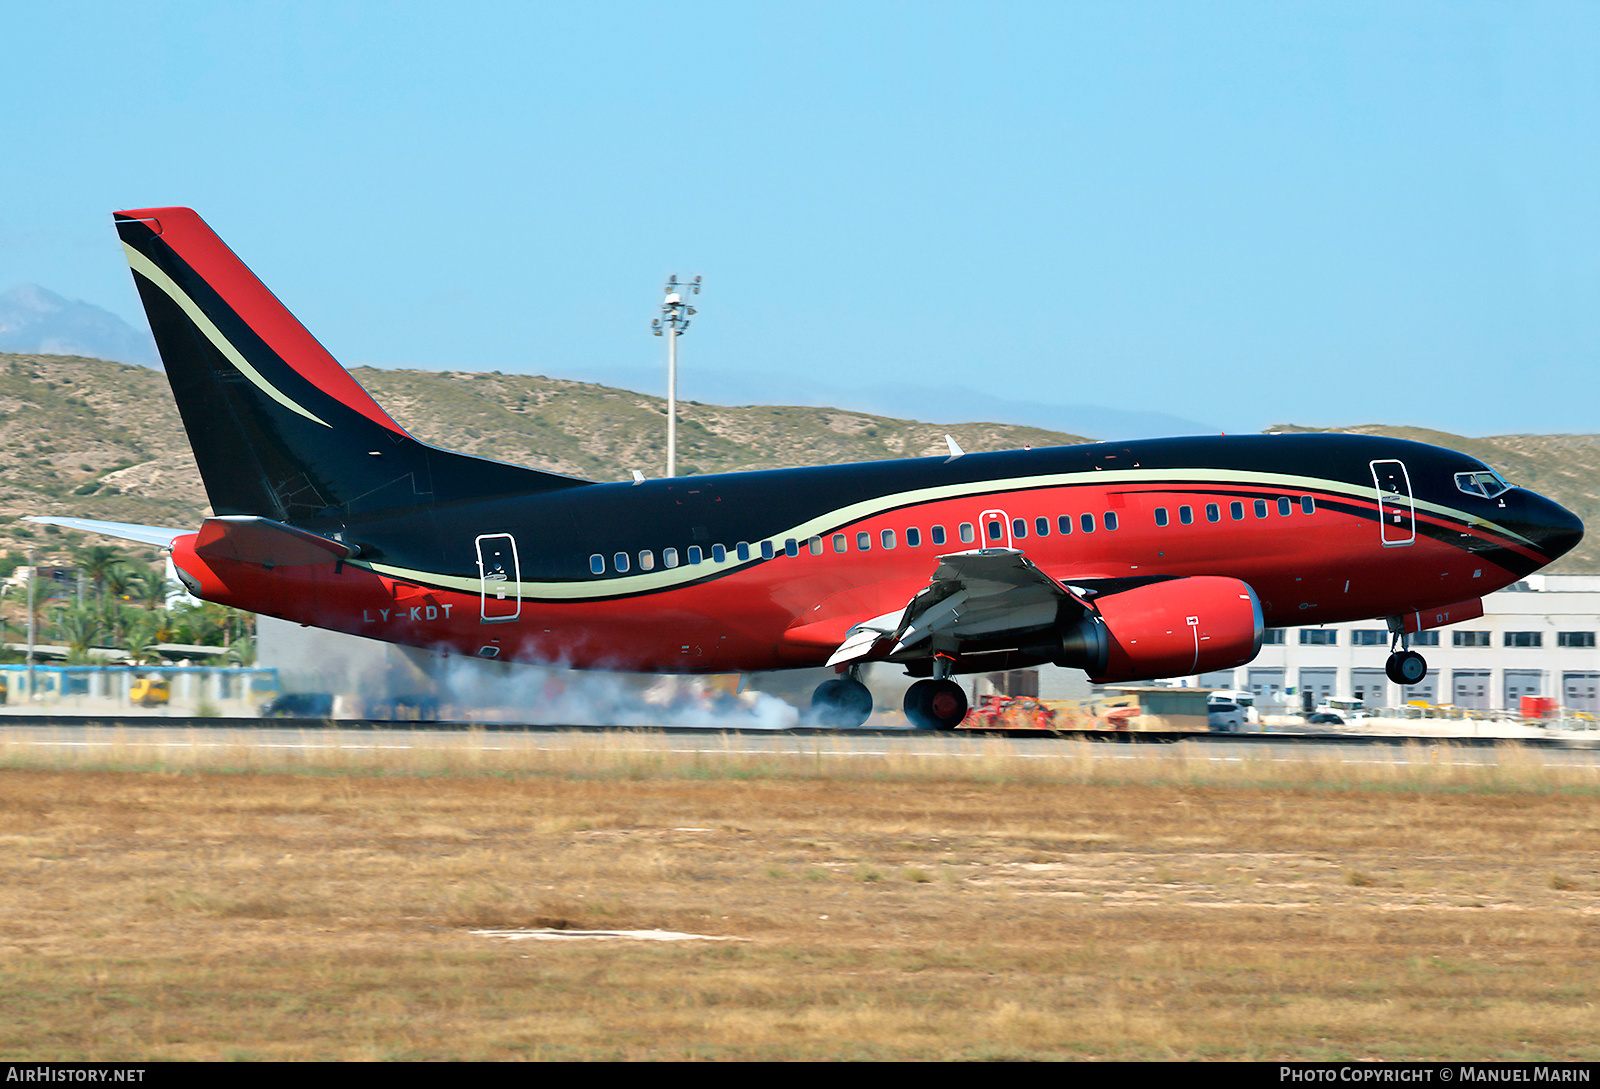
{"x":98,"y":439}
{"x":34,"y":319}
{"x":1030,"y":407}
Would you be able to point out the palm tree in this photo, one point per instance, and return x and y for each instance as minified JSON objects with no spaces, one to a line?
{"x":153,"y":590}
{"x":243,"y":651}
{"x":140,"y":631}
{"x":98,"y":562}
{"x":80,"y":627}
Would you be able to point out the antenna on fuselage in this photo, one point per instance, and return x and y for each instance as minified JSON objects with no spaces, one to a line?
{"x":673,"y":322}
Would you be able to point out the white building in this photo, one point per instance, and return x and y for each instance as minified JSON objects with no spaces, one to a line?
{"x":1537,"y":638}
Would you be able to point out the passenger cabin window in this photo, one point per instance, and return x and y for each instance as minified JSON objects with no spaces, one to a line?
{"x":718,"y":553}
{"x":995,"y":529}
{"x":1041,"y":526}
{"x":1261,"y":508}
{"x":621,"y":560}
{"x":647,"y":560}
{"x":936,"y":534}
{"x":1236,"y":511}
{"x":597,"y":564}
{"x":669,"y":556}
{"x":742,"y":550}
{"x":1086,"y":522}
{"x":863,"y":540}
{"x":1283,"y":506}
{"x":839,"y":543}
{"x":1019,"y":527}
{"x":968,"y":534}
{"x":1161,"y":516}
{"x":815,"y":544}
{"x":1186,"y":514}
{"x":766,"y":550}
{"x":1213,"y":513}
{"x":913,"y":537}
{"x":1110,"y":519}
{"x":1308,"y":504}
{"x":1064,"y":523}
{"x":695,"y":555}
{"x":886,"y":538}
{"x":791,"y":547}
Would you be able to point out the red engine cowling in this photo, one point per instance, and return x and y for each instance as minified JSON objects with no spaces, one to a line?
{"x":1168,"y":629}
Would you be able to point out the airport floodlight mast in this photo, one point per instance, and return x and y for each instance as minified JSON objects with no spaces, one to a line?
{"x":674,"y":320}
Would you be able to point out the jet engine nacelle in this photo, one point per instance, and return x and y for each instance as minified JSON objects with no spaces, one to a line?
{"x":1175,"y":628}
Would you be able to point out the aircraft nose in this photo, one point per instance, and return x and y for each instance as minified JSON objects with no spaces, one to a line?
{"x":1554,"y":528}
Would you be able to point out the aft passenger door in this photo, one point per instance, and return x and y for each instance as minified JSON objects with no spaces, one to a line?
{"x":499,"y":577}
{"x":1397,"y":515}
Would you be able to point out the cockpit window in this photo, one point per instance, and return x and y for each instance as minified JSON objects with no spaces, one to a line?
{"x":1487,"y":483}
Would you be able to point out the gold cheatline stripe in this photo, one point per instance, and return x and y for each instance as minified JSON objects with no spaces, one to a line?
{"x":147,"y":268}
{"x":630,"y":585}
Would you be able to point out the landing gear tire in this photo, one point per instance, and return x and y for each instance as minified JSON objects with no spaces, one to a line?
{"x":936,"y":705}
{"x":1406,"y":667}
{"x":841,"y":704}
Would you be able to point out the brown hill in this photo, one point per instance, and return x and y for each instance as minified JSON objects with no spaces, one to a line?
{"x":95,"y":439}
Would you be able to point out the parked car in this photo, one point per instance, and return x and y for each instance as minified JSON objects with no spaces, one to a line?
{"x":1226,"y":716}
{"x":151,"y":691}
{"x":299,"y":705}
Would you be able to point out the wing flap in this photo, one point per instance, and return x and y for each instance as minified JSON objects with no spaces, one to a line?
{"x":861,"y":639}
{"x":972,"y":595}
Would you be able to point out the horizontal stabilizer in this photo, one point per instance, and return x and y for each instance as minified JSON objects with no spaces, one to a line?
{"x":160,"y":536}
{"x":264,"y":541}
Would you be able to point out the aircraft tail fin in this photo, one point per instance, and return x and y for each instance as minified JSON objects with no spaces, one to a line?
{"x":279,"y":429}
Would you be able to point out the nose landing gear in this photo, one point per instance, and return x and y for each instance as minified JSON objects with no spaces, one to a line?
{"x":1405,"y":666}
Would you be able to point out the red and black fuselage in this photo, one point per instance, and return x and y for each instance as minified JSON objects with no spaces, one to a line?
{"x":766,"y":570}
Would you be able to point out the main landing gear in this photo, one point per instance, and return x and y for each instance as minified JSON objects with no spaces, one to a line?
{"x":841,"y":704}
{"x":936,"y":705}
{"x":1405,"y":666}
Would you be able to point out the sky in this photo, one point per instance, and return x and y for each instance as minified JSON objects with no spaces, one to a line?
{"x":1240,"y":213}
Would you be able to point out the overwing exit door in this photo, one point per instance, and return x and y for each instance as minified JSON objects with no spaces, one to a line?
{"x":499,"y":577}
{"x":994,"y":529}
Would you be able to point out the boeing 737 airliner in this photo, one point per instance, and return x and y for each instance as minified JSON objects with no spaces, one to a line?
{"x":1131,"y":560}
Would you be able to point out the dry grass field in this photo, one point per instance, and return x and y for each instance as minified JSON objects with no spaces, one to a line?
{"x":261,"y":904}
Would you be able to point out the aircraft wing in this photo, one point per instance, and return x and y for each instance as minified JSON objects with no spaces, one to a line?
{"x":971,"y":595}
{"x":160,"y":536}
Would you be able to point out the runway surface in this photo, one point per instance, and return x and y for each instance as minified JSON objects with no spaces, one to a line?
{"x":178,"y":734}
